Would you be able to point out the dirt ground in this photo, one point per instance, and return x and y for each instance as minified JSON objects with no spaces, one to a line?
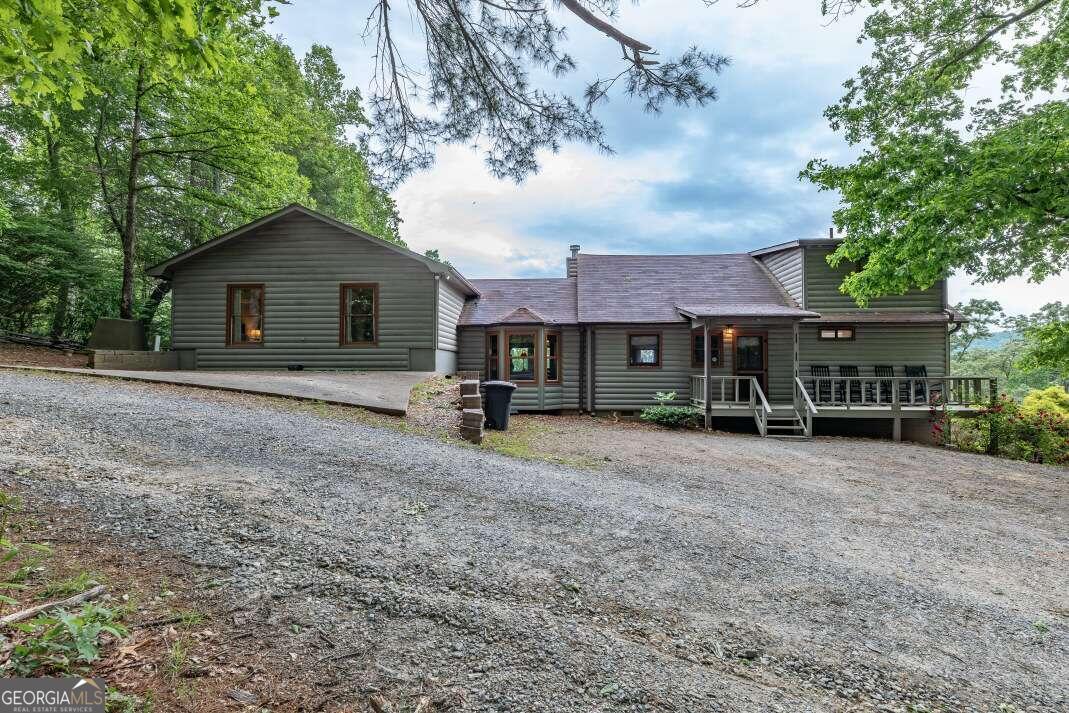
{"x":643,"y":570}
{"x":11,"y":353}
{"x":183,"y":650}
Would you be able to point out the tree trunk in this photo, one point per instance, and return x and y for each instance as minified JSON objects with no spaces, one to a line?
{"x":129,"y":237}
{"x":66,"y":216}
{"x":148,"y":310}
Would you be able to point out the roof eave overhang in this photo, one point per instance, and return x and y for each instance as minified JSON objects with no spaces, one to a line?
{"x":795,"y":244}
{"x":166,"y":268}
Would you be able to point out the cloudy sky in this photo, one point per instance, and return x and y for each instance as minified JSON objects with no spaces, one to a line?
{"x":721,"y":178}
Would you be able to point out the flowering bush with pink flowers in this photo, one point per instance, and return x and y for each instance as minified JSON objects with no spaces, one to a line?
{"x":1039,"y":435}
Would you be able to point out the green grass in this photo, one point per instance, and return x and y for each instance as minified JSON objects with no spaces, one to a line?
{"x":63,"y":588}
{"x":521,"y":441}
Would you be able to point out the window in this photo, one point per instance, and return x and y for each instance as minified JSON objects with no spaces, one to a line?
{"x":493,"y":354}
{"x":552,"y":358}
{"x":644,"y":350}
{"x":359,"y":312}
{"x":521,"y":357}
{"x":697,"y":349}
{"x":836,"y":333}
{"x":244,"y":315}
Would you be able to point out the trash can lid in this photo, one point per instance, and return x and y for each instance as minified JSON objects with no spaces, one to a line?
{"x":500,"y":384}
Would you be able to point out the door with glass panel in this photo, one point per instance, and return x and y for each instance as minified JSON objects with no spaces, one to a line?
{"x":751,"y":359}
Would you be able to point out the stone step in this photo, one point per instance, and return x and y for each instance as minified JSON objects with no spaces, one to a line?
{"x":473,"y":417}
{"x":471,"y":401}
{"x":469,"y":387}
{"x":472,"y":434}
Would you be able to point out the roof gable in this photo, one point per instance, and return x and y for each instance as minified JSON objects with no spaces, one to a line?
{"x":165,"y":268}
{"x":522,"y":301}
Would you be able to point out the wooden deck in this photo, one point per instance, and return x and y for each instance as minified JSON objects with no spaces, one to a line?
{"x":854,"y":397}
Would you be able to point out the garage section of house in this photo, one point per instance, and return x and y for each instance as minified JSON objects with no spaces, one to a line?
{"x":297,"y":288}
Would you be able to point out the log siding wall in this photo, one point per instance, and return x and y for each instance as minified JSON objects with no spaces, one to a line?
{"x":301,"y":261}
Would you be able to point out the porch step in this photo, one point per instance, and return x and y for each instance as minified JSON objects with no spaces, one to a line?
{"x":785,"y":427}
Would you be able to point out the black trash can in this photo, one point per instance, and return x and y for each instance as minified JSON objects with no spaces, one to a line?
{"x":498,"y":403}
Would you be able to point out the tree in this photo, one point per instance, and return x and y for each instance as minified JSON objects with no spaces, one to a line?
{"x":156,"y":163}
{"x":982,"y":315}
{"x":1046,"y":340}
{"x":47,"y":47}
{"x":480,"y":56}
{"x":945,"y":182}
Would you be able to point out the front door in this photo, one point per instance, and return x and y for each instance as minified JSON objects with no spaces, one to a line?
{"x":751,"y":360}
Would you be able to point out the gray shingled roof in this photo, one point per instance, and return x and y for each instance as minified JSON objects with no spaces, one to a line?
{"x":549,"y":300}
{"x":649,"y":288}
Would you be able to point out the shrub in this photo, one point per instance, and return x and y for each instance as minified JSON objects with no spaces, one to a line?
{"x":1039,"y":435}
{"x":670,"y":416}
{"x":1052,"y":400}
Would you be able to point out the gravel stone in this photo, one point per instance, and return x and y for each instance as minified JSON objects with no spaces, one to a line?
{"x":803,"y":576}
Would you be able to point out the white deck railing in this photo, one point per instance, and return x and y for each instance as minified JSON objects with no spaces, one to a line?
{"x":804,"y":408}
{"x":735,"y":392}
{"x":895,"y":392}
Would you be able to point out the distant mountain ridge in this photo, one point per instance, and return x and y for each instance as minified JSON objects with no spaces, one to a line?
{"x":997,"y":339}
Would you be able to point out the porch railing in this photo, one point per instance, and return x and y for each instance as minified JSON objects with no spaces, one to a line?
{"x":741,"y":392}
{"x":804,"y":408}
{"x":895,"y":392}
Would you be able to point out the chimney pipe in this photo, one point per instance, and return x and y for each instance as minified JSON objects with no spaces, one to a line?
{"x":574,"y":249}
{"x":831,"y":233}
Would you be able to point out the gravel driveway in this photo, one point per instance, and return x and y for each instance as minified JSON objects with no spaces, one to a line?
{"x":759,"y":575}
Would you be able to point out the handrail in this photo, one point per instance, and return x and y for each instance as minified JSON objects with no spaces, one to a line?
{"x":805,"y":396}
{"x":757,"y":389}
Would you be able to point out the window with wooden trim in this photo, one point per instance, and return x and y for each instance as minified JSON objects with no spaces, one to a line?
{"x":359,"y":312}
{"x":493,"y":354}
{"x":551,"y":359}
{"x":644,"y":350}
{"x":521,"y":356}
{"x":697,"y":349}
{"x":830,"y":333}
{"x":244,"y":315}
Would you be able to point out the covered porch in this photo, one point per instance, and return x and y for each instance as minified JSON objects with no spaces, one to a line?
{"x":750,"y":365}
{"x":747,"y":357}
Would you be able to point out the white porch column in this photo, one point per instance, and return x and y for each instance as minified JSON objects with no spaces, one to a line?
{"x":708,"y":387}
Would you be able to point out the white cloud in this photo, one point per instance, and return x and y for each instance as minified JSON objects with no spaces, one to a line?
{"x":751,"y":143}
{"x":1016,"y":295}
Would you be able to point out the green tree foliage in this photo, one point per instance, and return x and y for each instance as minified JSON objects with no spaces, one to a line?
{"x":982,"y":316}
{"x":47,"y":47}
{"x":480,"y":58}
{"x":1046,"y":340}
{"x":1035,"y":357}
{"x":944,"y":180}
{"x":155,"y":161}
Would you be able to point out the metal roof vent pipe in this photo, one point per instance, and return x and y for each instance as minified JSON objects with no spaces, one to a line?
{"x":573,"y":261}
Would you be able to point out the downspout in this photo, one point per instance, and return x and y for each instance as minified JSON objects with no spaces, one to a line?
{"x":437,"y":320}
{"x":706,"y":385}
{"x":592,"y":361}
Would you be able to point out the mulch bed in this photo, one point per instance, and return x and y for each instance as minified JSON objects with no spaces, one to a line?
{"x":11,"y":353}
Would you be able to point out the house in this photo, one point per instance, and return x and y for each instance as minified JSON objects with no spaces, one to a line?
{"x":764,"y":335}
{"x":299,"y":288}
